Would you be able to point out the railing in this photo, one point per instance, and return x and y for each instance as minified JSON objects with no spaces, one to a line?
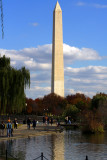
{"x":7,"y":153}
{"x":41,"y":156}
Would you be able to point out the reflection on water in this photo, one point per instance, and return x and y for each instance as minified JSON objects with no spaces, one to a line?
{"x":77,"y":146}
{"x":70,"y":145}
{"x":58,"y":146}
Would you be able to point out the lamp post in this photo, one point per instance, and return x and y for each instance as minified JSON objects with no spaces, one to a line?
{"x":45,"y":111}
{"x":25,"y":111}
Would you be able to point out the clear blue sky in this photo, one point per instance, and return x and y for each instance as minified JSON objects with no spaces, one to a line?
{"x":28,"y":24}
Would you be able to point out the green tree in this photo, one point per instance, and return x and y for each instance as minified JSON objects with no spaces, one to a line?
{"x":72,"y":111}
{"x":12,"y":85}
{"x":99,"y":104}
{"x":98,"y":99}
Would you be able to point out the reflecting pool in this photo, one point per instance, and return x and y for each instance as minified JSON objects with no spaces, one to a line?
{"x":68,"y":145}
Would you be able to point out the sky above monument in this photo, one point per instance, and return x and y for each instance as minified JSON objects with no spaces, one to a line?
{"x":28,"y":38}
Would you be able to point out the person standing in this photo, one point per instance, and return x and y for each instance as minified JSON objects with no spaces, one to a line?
{"x":2,"y":128}
{"x":58,"y":122}
{"x":46,"y":120}
{"x":43,"y":120}
{"x":15,"y":123}
{"x":34,"y":123}
{"x":28,"y":123}
{"x":9,"y":128}
{"x":51,"y":121}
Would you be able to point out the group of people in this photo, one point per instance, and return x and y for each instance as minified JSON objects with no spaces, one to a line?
{"x":29,"y":123}
{"x":8,"y":126}
{"x":67,"y":120}
{"x":47,"y":120}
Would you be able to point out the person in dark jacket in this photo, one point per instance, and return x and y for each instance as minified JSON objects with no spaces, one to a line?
{"x":51,"y":121}
{"x":28,"y":123}
{"x":2,"y":127}
{"x":34,"y":123}
{"x":43,"y":120}
{"x":15,"y":123}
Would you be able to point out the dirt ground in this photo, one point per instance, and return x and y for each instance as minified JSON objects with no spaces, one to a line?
{"x":23,"y":132}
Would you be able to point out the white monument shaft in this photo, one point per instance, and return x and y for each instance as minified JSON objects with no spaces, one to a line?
{"x":57,"y":53}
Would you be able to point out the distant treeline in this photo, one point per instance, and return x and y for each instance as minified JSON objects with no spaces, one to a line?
{"x":80,"y":108}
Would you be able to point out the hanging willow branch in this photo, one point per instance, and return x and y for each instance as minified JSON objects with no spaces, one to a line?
{"x":12,"y":87}
{"x":2,"y":26}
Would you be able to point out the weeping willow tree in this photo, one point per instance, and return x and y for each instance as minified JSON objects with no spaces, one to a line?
{"x":12,"y":86}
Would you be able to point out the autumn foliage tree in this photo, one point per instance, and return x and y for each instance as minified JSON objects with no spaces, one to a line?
{"x":95,"y":117}
{"x":76,"y":105}
{"x":39,"y":106}
{"x":29,"y":107}
{"x":92,"y":122}
{"x":51,"y":103}
{"x":54,"y":103}
{"x":81,"y":101}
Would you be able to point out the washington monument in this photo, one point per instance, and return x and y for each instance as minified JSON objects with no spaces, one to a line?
{"x":57,"y":81}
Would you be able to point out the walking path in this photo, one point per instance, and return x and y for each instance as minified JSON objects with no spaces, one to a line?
{"x":23,"y":132}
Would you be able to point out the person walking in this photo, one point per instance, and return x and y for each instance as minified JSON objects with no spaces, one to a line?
{"x":9,"y":128}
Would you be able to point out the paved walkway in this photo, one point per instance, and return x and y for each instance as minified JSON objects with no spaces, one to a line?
{"x":23,"y":132}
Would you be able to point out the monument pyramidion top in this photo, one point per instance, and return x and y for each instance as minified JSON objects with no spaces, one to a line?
{"x":57,"y":7}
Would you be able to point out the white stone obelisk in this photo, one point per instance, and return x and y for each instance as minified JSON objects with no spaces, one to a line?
{"x":57,"y":83}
